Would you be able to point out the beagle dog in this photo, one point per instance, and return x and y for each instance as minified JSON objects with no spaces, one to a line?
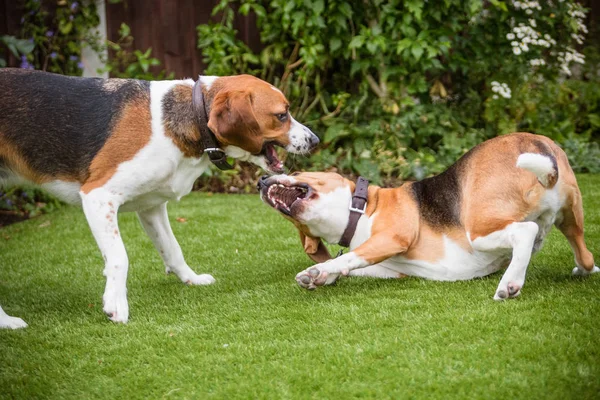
{"x":490,"y":210}
{"x":114,"y":145}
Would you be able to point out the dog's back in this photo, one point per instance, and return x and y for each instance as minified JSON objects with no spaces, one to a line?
{"x":52,"y":125}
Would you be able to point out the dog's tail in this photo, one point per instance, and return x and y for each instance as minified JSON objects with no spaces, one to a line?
{"x":541,"y":165}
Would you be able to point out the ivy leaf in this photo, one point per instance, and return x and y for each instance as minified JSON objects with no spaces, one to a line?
{"x":403,"y":44}
{"x":416,"y":50}
{"x":335,"y":132}
{"x":372,"y":47}
{"x":124,"y":30}
{"x":357,"y":41}
{"x":335,"y":43}
{"x":245,"y":9}
{"x":318,"y":7}
{"x":415,"y":7}
{"x":594,"y":120}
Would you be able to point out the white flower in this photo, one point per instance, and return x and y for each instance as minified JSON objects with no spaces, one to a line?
{"x":520,"y":35}
{"x":510,"y":36}
{"x":524,"y":46}
{"x":528,"y":12}
{"x":532,"y":22}
{"x":495,"y":97}
{"x":514,"y":43}
{"x":516,"y":50}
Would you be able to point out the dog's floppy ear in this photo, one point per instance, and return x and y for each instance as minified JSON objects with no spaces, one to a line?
{"x":314,"y":248}
{"x":233,"y":122}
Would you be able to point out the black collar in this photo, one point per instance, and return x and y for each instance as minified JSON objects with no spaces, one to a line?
{"x":209,"y":142}
{"x":357,"y":209}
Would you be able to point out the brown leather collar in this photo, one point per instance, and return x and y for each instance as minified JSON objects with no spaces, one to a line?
{"x":357,"y":209}
{"x":209,"y":142}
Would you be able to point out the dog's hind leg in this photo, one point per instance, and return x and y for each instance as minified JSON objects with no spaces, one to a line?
{"x":156,"y":224}
{"x":6,"y":321}
{"x":520,"y":237}
{"x":571,"y":225}
{"x":100,"y":208}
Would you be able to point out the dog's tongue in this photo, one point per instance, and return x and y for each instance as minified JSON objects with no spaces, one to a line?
{"x":273,"y":162}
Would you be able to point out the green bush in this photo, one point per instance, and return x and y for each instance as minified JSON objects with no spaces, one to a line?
{"x":400,"y":89}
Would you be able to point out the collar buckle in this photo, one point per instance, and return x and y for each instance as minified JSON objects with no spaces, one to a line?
{"x":358,"y":210}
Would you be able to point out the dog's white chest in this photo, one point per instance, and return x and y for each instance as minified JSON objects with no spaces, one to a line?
{"x":177,"y":182}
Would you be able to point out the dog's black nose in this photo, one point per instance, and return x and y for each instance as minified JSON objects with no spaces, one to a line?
{"x":314,"y":140}
{"x":262,"y":182}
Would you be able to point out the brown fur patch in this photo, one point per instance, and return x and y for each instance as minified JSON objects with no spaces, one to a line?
{"x":243,"y":112}
{"x":130,"y":134}
{"x":179,"y":120}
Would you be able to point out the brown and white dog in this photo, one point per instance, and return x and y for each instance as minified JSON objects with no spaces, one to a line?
{"x":490,"y":210}
{"x":129,"y":145}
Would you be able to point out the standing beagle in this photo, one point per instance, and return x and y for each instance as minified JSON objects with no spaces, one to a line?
{"x":490,"y":210}
{"x":114,"y":145}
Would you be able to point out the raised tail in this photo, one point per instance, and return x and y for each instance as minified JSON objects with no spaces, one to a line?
{"x":542,"y":165}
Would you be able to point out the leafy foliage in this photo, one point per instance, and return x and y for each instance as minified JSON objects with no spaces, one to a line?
{"x":136,"y":64}
{"x":402,"y":88}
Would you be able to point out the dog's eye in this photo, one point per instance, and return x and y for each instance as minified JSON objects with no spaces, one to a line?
{"x":282,"y":117}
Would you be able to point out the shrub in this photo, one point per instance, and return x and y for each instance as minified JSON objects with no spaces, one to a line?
{"x":401,"y":89}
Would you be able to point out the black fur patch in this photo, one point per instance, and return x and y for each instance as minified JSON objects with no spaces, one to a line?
{"x":545,"y":150}
{"x":439,"y":197}
{"x":59,"y":123}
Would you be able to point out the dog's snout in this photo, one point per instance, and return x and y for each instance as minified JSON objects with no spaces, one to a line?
{"x":262,"y":182}
{"x":314,"y":140}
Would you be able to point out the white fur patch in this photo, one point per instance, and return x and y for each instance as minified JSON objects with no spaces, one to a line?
{"x":456,"y":264}
{"x":327,"y":216}
{"x":207,"y":81}
{"x":538,"y":164}
{"x":65,"y":191}
{"x":300,"y":138}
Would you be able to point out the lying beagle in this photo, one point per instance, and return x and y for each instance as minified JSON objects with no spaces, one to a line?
{"x":491,"y":209}
{"x":129,"y":145}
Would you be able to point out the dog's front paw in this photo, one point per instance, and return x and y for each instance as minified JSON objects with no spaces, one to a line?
{"x":202,"y":279}
{"x":116,"y":307}
{"x":12,"y":322}
{"x":314,"y":276}
{"x":511,"y":290}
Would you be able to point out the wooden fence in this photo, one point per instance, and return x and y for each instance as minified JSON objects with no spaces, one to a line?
{"x":167,"y":26}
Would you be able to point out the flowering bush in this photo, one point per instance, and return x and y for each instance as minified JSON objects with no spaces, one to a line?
{"x":402,"y":88}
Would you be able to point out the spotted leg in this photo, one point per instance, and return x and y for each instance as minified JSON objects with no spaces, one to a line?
{"x":100,"y":208}
{"x":156,"y":224}
{"x":375,"y":250}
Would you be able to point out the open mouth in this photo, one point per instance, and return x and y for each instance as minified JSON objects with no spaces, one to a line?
{"x":274,"y":164}
{"x":283,"y":198}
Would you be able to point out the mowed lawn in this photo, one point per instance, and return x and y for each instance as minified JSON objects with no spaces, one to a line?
{"x":256,"y":334}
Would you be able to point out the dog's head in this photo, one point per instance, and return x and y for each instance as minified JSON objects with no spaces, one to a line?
{"x":250,"y":117}
{"x":316,"y":202}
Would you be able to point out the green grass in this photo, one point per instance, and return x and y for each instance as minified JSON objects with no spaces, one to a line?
{"x":255,"y":334}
